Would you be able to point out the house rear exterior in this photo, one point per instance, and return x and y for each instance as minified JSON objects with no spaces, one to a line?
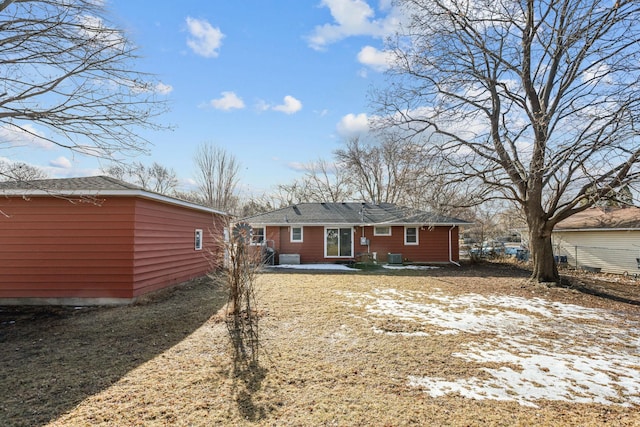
{"x":342,"y":232}
{"x":98,"y":240}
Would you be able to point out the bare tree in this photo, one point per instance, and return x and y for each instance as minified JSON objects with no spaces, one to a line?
{"x":19,"y":171}
{"x":291,"y":193}
{"x":68,"y":79}
{"x":327,"y":182}
{"x":388,"y":170}
{"x":164,"y":180}
{"x":534,"y":101}
{"x":217,"y":177}
{"x":323,"y":181}
{"x":255,"y":205}
{"x":155,"y":178}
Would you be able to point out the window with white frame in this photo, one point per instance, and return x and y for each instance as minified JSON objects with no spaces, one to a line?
{"x":382,"y":231}
{"x":197,"y":244}
{"x":411,"y":235}
{"x":296,"y":234}
{"x":257,"y":235}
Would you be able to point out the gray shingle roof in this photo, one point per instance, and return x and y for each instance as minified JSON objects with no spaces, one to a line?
{"x":91,"y":186}
{"x":602,"y":218}
{"x":87,"y":183}
{"x":349,"y":214}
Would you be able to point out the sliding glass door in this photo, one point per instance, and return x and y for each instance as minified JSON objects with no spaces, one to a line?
{"x":338,"y":242}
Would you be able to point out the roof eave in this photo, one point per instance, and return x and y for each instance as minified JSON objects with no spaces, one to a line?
{"x":559,"y":230}
{"x":354,"y":224}
{"x":107,"y":193}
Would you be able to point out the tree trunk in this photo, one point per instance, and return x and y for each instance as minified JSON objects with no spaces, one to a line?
{"x":544,"y":265}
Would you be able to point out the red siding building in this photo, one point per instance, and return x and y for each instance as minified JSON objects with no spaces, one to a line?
{"x":340,"y":232}
{"x":98,"y":240}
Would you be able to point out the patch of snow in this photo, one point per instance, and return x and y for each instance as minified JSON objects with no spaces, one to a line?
{"x":338,"y":267}
{"x":408,"y":267}
{"x":402,"y":334}
{"x":562,"y":351}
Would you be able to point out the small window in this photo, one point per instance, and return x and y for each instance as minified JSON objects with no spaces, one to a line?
{"x":382,"y":231}
{"x":198,"y":240}
{"x":411,"y":235}
{"x":296,"y":234}
{"x":257,"y":235}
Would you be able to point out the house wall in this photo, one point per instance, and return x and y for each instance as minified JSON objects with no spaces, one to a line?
{"x":433,"y":247}
{"x":56,"y":252}
{"x":311,"y":249}
{"x":433,"y":244}
{"x":164,"y":252}
{"x":51,"y":248}
{"x":612,"y":251}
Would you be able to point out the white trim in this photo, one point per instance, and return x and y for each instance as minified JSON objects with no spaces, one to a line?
{"x":417,"y":242}
{"x":264,"y":236}
{"x":324,"y":238}
{"x":569,"y":230}
{"x":301,"y":234}
{"x":197,"y":239}
{"x":451,"y":247}
{"x":382,"y":226}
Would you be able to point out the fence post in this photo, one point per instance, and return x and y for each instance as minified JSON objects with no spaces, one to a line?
{"x":576,"y":250}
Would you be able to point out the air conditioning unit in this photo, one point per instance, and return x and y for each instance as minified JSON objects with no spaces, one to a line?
{"x":394,"y":258}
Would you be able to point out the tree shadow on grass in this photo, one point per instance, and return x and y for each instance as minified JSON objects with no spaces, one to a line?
{"x":247,"y":373}
{"x":612,"y":294}
{"x":53,"y":358}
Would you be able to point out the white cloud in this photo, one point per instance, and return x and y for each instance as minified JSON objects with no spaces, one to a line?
{"x":25,"y":135}
{"x":163,"y":89}
{"x":61,"y":162}
{"x":375,"y":59}
{"x":93,"y":29}
{"x":297,"y":166}
{"x":598,"y":74}
{"x":205,"y":39}
{"x":352,"y":18}
{"x":291,"y":105}
{"x":262,"y":105}
{"x":228,"y":101}
{"x":352,"y":124}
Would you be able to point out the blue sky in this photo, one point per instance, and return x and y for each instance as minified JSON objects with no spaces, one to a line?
{"x":277,"y":84}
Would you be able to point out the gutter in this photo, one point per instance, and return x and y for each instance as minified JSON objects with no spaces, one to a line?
{"x":450,"y":247}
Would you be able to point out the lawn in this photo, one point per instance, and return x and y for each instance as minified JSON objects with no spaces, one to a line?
{"x":477,"y":345}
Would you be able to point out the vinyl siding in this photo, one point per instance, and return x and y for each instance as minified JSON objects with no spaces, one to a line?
{"x":311,"y":249}
{"x":119,"y":249}
{"x":433,"y":244}
{"x":51,"y":248}
{"x":164,"y":245}
{"x":612,"y":251}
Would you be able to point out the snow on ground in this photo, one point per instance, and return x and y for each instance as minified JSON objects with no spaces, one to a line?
{"x":338,"y":267}
{"x":408,"y":267}
{"x":563,"y":352}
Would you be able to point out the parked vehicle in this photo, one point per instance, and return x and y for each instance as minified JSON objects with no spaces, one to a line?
{"x":489,"y":249}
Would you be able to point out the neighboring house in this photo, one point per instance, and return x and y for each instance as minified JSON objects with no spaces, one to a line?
{"x":98,"y":240}
{"x":600,"y":238}
{"x":339,"y":232}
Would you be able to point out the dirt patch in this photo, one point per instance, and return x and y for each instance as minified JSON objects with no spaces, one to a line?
{"x":330,"y":354}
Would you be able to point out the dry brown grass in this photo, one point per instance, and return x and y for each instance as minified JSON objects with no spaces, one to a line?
{"x":169,"y":361}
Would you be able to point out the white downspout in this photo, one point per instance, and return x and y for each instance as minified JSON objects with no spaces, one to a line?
{"x":450,"y":247}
